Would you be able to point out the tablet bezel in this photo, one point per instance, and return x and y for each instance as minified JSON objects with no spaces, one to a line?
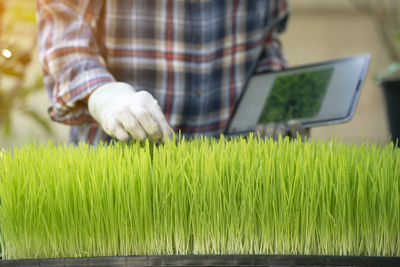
{"x":366,"y":60}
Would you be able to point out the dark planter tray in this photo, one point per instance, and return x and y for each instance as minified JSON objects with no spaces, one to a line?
{"x":211,"y":260}
{"x":392,"y":96}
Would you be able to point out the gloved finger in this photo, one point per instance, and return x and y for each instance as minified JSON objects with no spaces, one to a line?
{"x":148,"y":123}
{"x":167,"y":132}
{"x":113,"y":128}
{"x":295,"y":127}
{"x":131,"y":125}
{"x":121,"y":134}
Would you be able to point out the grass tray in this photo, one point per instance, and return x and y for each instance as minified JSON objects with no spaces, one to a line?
{"x":211,"y":260}
{"x":201,"y":197}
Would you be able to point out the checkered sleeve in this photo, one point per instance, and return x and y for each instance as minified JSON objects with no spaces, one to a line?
{"x":272,"y":57}
{"x":70,"y":55}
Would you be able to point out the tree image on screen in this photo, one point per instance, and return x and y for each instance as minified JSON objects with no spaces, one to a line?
{"x":296,"y":96}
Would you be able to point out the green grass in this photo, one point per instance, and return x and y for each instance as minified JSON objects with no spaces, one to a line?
{"x":203,"y":196}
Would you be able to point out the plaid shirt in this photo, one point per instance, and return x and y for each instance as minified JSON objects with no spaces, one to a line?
{"x":193,"y":56}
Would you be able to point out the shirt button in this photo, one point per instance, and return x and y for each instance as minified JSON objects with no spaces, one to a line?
{"x":199,"y":92}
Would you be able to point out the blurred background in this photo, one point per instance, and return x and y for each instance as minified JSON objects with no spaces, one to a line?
{"x":318,"y":30}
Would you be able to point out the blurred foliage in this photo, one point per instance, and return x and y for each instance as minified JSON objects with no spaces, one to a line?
{"x":296,"y":96}
{"x":386,"y":15}
{"x":17,"y":48}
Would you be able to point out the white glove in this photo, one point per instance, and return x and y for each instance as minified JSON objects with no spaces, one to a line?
{"x":123,"y":112}
{"x":289,"y":129}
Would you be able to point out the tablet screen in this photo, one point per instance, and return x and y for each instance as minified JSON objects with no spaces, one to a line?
{"x":317,"y":94}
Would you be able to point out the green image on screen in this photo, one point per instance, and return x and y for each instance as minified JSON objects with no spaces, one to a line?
{"x":296,"y":96}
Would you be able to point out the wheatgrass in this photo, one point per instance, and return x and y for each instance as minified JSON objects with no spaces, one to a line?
{"x":203,"y":196}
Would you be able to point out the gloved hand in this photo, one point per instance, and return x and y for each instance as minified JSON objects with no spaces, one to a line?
{"x":290,"y":129}
{"x":124,"y":112}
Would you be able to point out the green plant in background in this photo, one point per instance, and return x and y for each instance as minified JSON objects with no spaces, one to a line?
{"x":386,"y":15}
{"x":17,"y":48}
{"x":296,"y":96}
{"x":203,"y":196}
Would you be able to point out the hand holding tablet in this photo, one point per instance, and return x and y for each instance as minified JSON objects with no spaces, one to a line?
{"x":314,"y":95}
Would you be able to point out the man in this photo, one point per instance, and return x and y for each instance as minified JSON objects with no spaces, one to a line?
{"x":143,"y":68}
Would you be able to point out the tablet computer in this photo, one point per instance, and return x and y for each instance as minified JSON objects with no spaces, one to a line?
{"x":315,"y":95}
